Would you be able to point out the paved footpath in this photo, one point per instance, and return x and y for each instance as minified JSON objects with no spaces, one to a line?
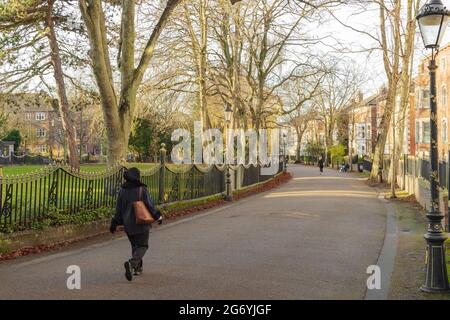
{"x":312,"y":238}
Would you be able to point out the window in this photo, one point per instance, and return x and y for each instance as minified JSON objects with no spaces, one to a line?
{"x":417,"y":131}
{"x":369,"y":132}
{"x":40,"y":116}
{"x":361,"y":131}
{"x":444,"y":96}
{"x":443,"y":65}
{"x":426,"y":132}
{"x":444,"y":130}
{"x":28,"y":116}
{"x":42,"y":148}
{"x":425,"y":103}
{"x":40,"y":132}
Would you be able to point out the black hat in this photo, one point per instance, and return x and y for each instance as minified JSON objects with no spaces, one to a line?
{"x":132,"y":178}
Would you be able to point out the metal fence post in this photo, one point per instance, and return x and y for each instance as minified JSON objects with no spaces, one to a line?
{"x":228,"y":190}
{"x":415,"y":167}
{"x":405,"y":170}
{"x":162,"y":172}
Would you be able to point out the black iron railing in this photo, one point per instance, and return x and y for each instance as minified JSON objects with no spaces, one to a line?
{"x":192,"y":182}
{"x":416,"y":167}
{"x":29,"y":198}
{"x":24,"y":159}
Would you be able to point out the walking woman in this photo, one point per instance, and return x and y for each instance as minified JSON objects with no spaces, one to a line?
{"x":134,"y":190}
{"x":321,"y":165}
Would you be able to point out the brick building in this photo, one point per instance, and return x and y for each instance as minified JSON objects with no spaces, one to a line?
{"x":37,"y":118}
{"x":364,"y":122}
{"x":420,"y":108}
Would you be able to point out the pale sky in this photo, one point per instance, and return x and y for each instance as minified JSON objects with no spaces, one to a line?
{"x":348,"y":45}
{"x":368,"y":21}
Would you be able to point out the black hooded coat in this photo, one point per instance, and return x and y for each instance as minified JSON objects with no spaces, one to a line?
{"x":128,"y":194}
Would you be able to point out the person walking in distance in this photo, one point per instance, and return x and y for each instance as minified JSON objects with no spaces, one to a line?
{"x":321,"y":165}
{"x":134,"y":190}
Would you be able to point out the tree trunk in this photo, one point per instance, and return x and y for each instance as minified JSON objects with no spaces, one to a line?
{"x":236,"y":41}
{"x":300,"y":132}
{"x":407,"y":65}
{"x":393,"y":168}
{"x":199,"y":48}
{"x":118,"y":117}
{"x":382,"y":136}
{"x":328,"y":138}
{"x":67,"y":123}
{"x":392,"y":73}
{"x":351,"y":140}
{"x":203,"y":63}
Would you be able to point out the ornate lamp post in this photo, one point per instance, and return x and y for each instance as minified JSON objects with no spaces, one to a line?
{"x":229,"y":193}
{"x":433,"y":19}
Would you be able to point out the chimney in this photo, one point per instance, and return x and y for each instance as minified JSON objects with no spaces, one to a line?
{"x":360,"y":96}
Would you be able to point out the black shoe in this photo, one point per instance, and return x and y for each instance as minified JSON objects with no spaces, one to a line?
{"x":138,"y":270}
{"x":128,"y":273}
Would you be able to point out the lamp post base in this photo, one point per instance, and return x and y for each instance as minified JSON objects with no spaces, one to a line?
{"x":436,"y":280}
{"x":431,"y":290}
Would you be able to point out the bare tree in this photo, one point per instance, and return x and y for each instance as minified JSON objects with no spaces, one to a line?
{"x":119,"y":107}
{"x":267,"y":43}
{"x":199,"y":49}
{"x":28,"y":24}
{"x":394,"y":40}
{"x":300,"y":121}
{"x":337,"y":90}
{"x":405,"y":86}
{"x":298,"y":102}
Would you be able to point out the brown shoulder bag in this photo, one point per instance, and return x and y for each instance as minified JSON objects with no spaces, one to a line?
{"x":143,"y":215}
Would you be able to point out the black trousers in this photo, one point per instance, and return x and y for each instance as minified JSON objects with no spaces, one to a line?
{"x":139,"y":246}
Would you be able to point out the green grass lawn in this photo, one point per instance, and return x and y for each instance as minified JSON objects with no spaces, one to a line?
{"x":30,"y":198}
{"x":22,"y":169}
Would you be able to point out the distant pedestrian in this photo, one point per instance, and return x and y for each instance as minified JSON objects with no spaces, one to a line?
{"x":344,"y":167}
{"x":134,"y":190}
{"x":321,"y":165}
{"x":347,"y":167}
